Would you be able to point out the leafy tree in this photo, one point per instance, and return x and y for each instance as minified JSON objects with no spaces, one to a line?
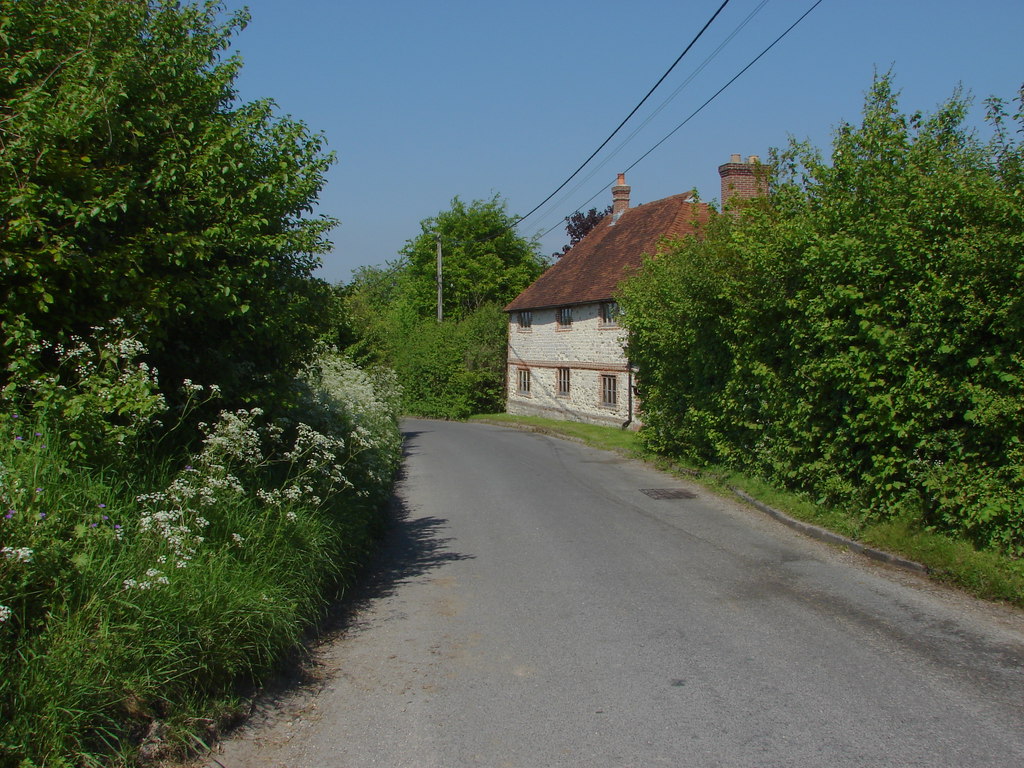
{"x":578,"y":226}
{"x":484,"y":259}
{"x":457,"y":367}
{"x":133,"y":185}
{"x":370,"y":299}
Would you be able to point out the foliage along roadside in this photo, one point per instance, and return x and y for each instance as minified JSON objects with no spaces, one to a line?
{"x":133,"y":184}
{"x":148,"y":560}
{"x":856,"y":336}
{"x":133,"y":597}
{"x":456,"y":367}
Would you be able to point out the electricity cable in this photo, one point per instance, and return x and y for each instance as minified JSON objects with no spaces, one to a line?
{"x":703,"y":65}
{"x":706,"y":103}
{"x":640,"y":104}
{"x":733,"y":80}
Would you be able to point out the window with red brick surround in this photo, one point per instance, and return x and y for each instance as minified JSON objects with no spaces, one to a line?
{"x":609,"y":391}
{"x":563,"y":381}
{"x":524,"y":381}
{"x":609,"y":313}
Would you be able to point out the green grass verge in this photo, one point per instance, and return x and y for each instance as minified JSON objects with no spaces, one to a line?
{"x":988,"y":575}
{"x":609,"y":438}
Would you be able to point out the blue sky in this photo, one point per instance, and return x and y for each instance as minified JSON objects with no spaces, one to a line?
{"x":423,"y":101}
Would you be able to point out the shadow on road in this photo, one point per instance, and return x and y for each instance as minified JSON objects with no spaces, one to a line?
{"x":409,"y":444}
{"x":411,"y":547}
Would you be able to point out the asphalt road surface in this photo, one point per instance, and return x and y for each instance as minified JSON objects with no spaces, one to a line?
{"x":533,"y":607}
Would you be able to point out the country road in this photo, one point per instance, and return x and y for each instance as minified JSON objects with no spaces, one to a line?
{"x":534,"y":607}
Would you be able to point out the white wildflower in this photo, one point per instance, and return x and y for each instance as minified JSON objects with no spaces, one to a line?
{"x":268,"y":497}
{"x":19,"y":554}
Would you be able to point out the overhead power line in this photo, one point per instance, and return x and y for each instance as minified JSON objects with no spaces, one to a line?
{"x":706,"y":103}
{"x":594,"y":170}
{"x":626,"y":119}
{"x":733,"y":80}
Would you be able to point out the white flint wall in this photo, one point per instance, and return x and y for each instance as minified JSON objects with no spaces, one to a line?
{"x":590,"y":350}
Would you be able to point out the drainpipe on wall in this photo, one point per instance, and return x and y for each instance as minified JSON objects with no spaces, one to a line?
{"x":629,"y":397}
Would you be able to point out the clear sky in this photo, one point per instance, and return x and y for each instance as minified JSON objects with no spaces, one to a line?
{"x":423,"y":101}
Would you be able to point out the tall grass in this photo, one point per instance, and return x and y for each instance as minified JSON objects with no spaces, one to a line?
{"x":133,"y":595}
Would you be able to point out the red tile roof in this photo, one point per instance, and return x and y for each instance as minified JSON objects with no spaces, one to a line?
{"x":596,"y":265}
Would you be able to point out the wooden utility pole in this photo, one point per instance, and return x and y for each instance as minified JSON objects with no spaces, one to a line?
{"x":440,"y":310}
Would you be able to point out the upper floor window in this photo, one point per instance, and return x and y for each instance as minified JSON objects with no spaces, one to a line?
{"x":563,"y":315}
{"x":609,"y":313}
{"x":525,"y":320}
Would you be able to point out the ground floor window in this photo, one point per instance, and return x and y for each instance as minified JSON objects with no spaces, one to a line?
{"x":609,"y":390}
{"x":563,"y":381}
{"x":524,"y":381}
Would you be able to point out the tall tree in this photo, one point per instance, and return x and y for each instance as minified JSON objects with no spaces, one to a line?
{"x":578,"y":226}
{"x":457,"y":367}
{"x":133,"y":184}
{"x":484,"y":259}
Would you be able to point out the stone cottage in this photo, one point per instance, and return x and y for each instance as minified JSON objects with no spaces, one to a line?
{"x":566,"y":357}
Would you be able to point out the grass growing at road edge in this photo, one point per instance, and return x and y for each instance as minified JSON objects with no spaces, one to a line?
{"x":136,"y":594}
{"x":608,"y":438}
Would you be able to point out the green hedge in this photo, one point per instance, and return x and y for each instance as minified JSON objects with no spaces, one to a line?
{"x":859,"y":334}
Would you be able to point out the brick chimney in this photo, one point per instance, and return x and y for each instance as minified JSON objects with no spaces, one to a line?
{"x":742,"y":180}
{"x":620,"y":197}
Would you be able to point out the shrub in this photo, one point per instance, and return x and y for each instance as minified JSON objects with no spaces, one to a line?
{"x":453,"y":369}
{"x":857,"y":335}
{"x":104,"y":396}
{"x":129,"y":596}
{"x":133,"y":183}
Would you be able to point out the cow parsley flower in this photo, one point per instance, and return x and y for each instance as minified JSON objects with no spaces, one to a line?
{"x":18,"y":554}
